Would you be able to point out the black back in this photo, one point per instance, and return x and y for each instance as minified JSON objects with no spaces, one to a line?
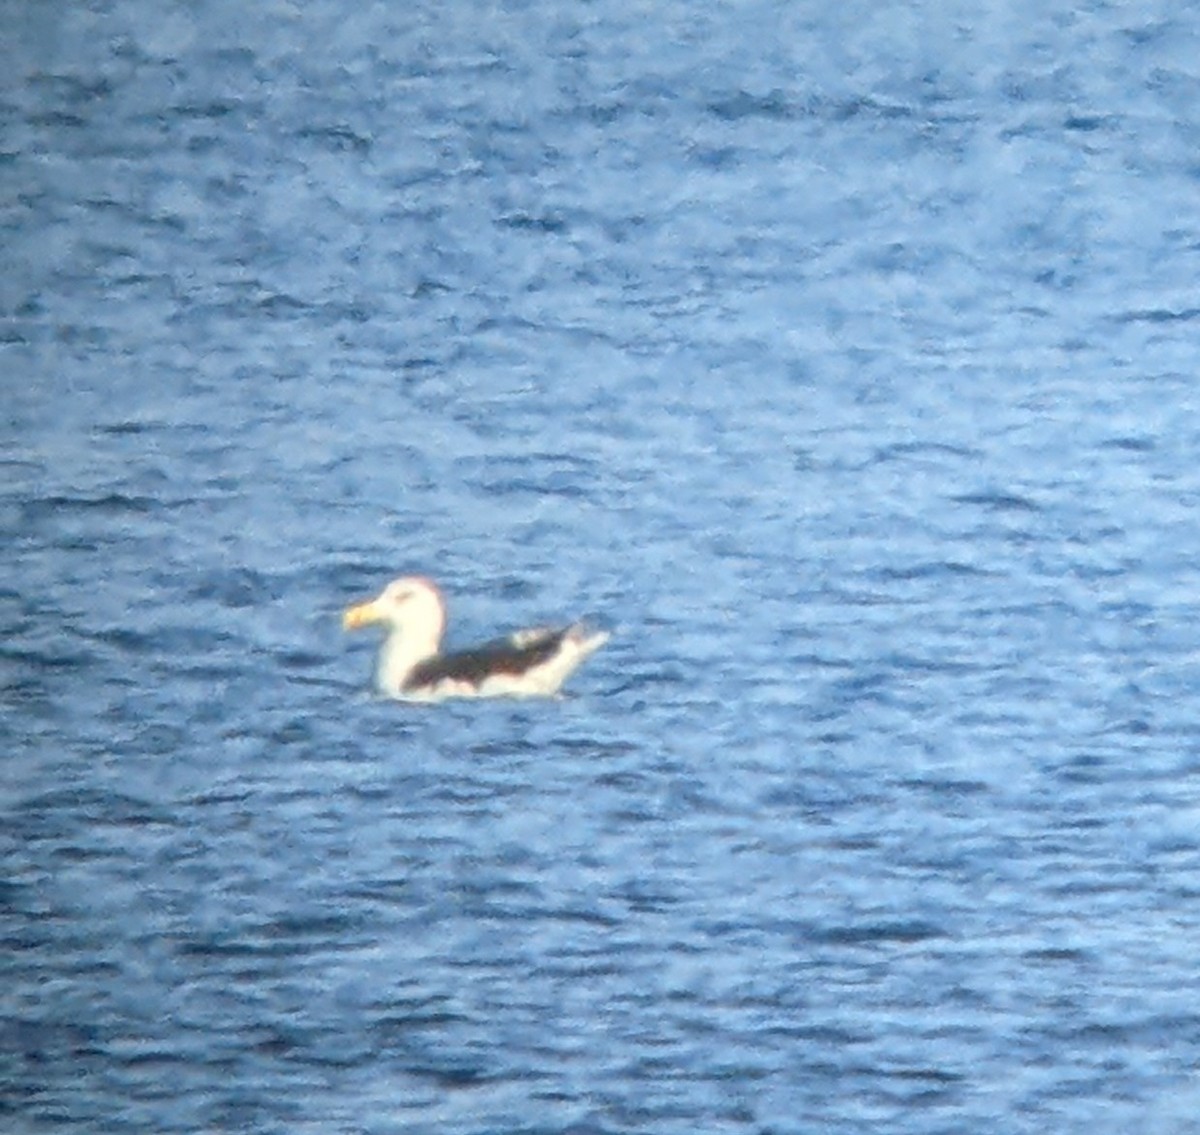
{"x":504,"y":656}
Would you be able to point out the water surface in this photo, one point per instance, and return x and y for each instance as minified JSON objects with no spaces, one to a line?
{"x":841,"y":362}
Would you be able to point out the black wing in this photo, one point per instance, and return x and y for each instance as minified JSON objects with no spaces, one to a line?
{"x":513,"y":655}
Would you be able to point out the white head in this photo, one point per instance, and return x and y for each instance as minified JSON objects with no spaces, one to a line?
{"x":410,"y":607}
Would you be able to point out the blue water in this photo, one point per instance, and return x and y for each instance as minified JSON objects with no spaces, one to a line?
{"x":841,"y":359}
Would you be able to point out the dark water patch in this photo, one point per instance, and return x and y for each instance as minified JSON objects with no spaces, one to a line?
{"x":1084,"y":768}
{"x":820,"y":1036}
{"x":80,"y":854}
{"x":502,"y":747}
{"x":247,"y":945}
{"x":715,"y":157}
{"x":549,"y":224}
{"x":357,"y":311}
{"x":54,"y":659}
{"x":125,"y":640}
{"x":632,"y":813}
{"x":850,"y":843}
{"x":924,"y":1075}
{"x":451,"y":1075}
{"x":557,"y":474}
{"x":625,"y":781}
{"x":1158,"y":315}
{"x":837,"y":594}
{"x":809,"y":661}
{"x":1089,"y":123}
{"x":317,"y":928}
{"x":349,"y":576}
{"x":104,"y":504}
{"x":397,"y":892}
{"x":998,"y":502}
{"x":875,"y":686}
{"x":1059,"y":956}
{"x":209,"y":109}
{"x":1113,"y":1034}
{"x":1130,"y":444}
{"x":593,"y":748}
{"x":426,"y":288}
{"x":46,"y":813}
{"x":302,"y":660}
{"x":1170,"y":844}
{"x":338,"y":138}
{"x":606,"y":113}
{"x":41,"y":1041}
{"x":933,"y":570}
{"x":565,"y":966}
{"x":148,"y":1053}
{"x":57,"y":120}
{"x":236,"y":588}
{"x":129,"y":428}
{"x":914,"y":450}
{"x":15,"y":896}
{"x":70,"y":88}
{"x":741,"y":105}
{"x":395,"y":1030}
{"x":947,"y":788}
{"x":1128,"y":882}
{"x":640,"y":679}
{"x":646,"y":896}
{"x":876,"y":933}
{"x":278,"y":1042}
{"x":216,"y":675}
{"x":282,"y":306}
{"x":220,"y":798}
{"x":584,"y":916}
{"x":938,"y":664}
